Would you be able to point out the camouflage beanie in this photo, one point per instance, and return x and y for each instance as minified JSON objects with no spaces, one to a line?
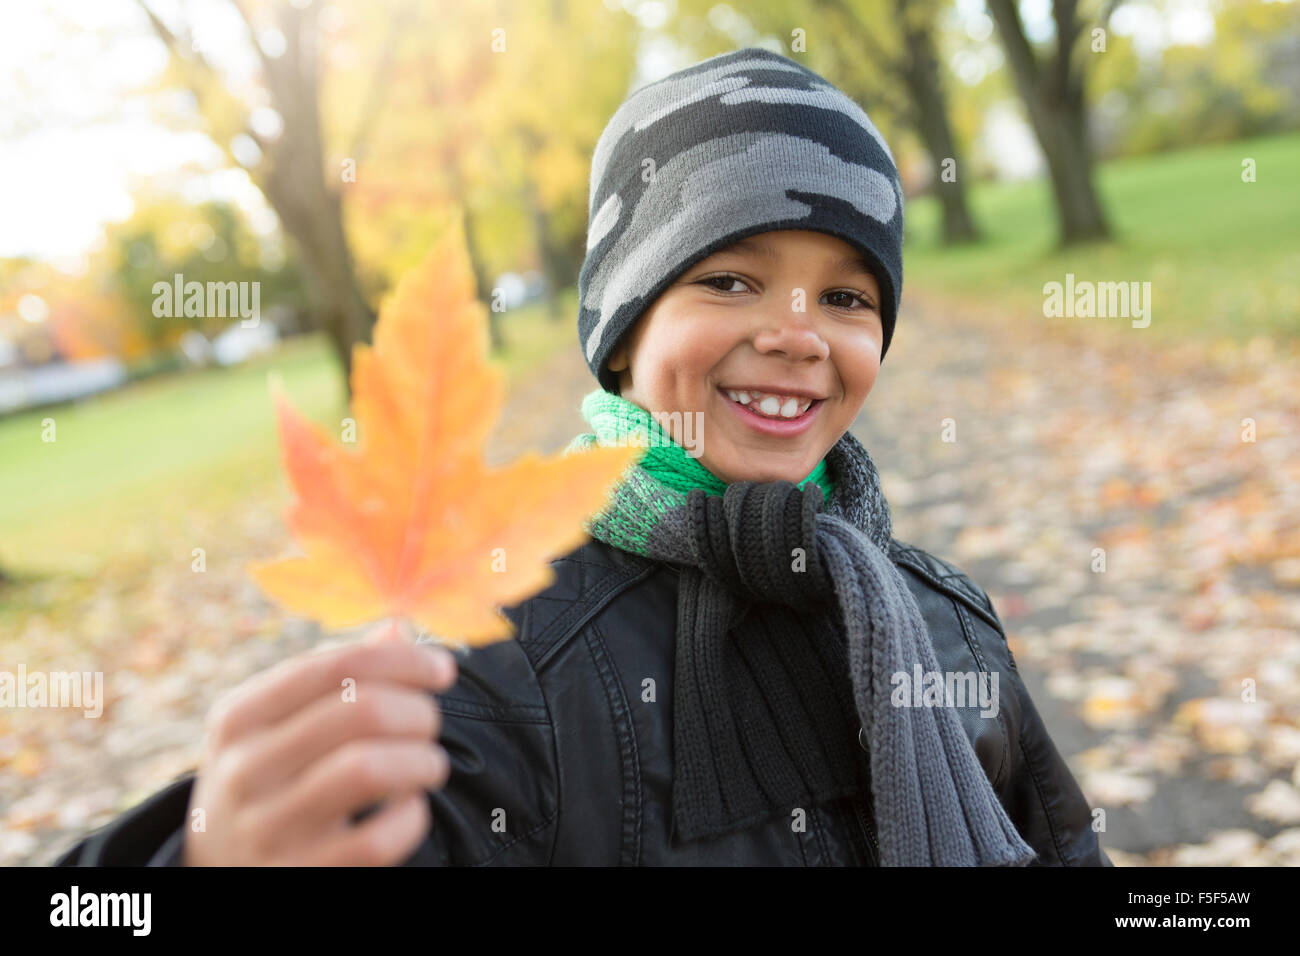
{"x":738,"y":144}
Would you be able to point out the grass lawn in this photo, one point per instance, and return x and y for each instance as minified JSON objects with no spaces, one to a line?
{"x":131,"y":471}
{"x":1222,"y":255}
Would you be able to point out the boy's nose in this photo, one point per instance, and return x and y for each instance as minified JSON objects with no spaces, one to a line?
{"x":790,"y":333}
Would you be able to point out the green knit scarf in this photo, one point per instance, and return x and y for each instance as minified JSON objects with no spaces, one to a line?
{"x":666,"y":464}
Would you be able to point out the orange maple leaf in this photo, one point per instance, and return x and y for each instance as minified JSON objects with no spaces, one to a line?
{"x":411,"y":522}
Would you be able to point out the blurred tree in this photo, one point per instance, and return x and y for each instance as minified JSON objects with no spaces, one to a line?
{"x":551,"y":148}
{"x":1244,"y":81}
{"x":394,"y":113}
{"x":89,"y":320}
{"x":1052,"y":88}
{"x":911,"y":27}
{"x":289,"y":145}
{"x":210,"y":242}
{"x":500,"y":106}
{"x":73,"y":318}
{"x":879,"y":52}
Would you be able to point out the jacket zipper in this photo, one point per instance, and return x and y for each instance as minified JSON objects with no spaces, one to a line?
{"x":873,"y":847}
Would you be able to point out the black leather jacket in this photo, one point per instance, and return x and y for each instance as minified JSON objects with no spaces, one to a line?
{"x":557,"y":758}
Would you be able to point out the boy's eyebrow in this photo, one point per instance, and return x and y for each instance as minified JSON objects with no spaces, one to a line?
{"x":852,"y":262}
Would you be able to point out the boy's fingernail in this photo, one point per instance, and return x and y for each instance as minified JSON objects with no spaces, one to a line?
{"x":383,"y":632}
{"x":442,"y":663}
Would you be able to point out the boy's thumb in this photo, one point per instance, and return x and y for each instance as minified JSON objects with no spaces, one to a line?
{"x":388,"y":630}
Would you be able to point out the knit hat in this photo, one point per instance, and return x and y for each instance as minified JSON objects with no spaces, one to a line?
{"x":738,"y":144}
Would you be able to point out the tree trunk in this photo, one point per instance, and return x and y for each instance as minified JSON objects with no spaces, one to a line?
{"x":920,"y":73}
{"x":292,"y":174}
{"x":924,"y":107}
{"x":1053,"y":96}
{"x":495,"y":335}
{"x":557,"y":265}
{"x":312,"y":214}
{"x":481,"y":281}
{"x":554,"y":260}
{"x":1072,"y":181}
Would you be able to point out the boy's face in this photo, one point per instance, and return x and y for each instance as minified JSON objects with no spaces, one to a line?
{"x":791,"y":314}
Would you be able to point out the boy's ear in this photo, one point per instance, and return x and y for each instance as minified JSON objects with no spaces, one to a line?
{"x":618,"y":364}
{"x":617,"y":359}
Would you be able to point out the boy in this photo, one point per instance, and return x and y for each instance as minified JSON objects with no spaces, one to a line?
{"x":743,"y":666}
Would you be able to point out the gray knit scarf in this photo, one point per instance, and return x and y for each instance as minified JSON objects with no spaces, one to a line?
{"x":756,"y":724}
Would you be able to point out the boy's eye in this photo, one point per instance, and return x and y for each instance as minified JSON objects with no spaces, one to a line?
{"x":851,"y":297}
{"x":724,"y":280}
{"x":720,"y":283}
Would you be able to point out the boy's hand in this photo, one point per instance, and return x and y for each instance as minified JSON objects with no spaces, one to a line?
{"x":289,"y":762}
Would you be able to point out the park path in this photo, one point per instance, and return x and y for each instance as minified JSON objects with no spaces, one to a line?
{"x":1067,"y":439}
{"x":1072,"y":438}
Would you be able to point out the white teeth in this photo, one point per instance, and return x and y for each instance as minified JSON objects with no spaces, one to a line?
{"x":773,"y":406}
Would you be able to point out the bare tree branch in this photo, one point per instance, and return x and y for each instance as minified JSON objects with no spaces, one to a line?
{"x":291,"y":175}
{"x":181,"y":47}
{"x":242,"y":10}
{"x":1067,"y":31}
{"x":861,"y":33}
{"x":379,"y":83}
{"x":1020,"y":55}
{"x":1104,"y":20}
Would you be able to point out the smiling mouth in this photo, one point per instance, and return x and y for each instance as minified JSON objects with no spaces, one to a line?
{"x":771,"y":404}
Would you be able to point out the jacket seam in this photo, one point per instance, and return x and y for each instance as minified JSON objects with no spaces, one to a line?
{"x":1042,"y":799}
{"x":522,"y":836}
{"x":559,"y":773}
{"x":570,"y":621}
{"x":528,"y":714}
{"x":625,"y":731}
{"x":968,"y":631}
{"x":800,"y":841}
{"x":507,"y":714}
{"x":823,"y":850}
{"x":503,"y":715}
{"x":925,"y":574}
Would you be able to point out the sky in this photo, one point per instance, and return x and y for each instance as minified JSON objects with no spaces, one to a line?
{"x":77,"y":139}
